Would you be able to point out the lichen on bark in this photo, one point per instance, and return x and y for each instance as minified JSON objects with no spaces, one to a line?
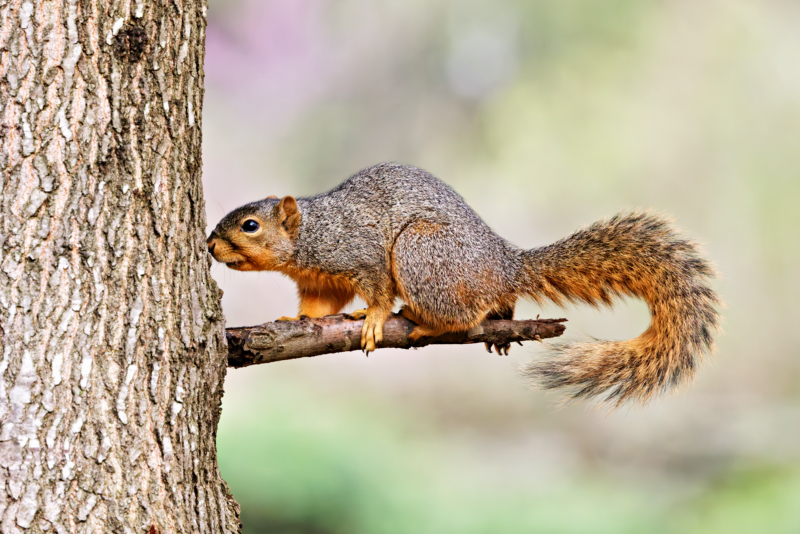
{"x":112,"y":354}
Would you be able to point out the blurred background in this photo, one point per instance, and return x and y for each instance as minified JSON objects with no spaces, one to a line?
{"x":545,"y":116}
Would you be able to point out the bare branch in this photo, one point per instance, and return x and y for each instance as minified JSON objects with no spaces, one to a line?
{"x":287,"y":340}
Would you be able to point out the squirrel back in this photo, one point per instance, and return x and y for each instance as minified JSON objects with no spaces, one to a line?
{"x":394,"y":231}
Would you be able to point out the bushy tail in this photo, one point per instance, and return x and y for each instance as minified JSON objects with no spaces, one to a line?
{"x":634,"y":254}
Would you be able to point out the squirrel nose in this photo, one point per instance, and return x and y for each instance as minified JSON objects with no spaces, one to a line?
{"x":211,"y":244}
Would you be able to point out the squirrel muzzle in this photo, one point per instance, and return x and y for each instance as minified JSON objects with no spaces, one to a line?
{"x":223,"y":252}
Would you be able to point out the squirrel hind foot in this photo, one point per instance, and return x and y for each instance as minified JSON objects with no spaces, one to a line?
{"x":424,"y":329}
{"x":505,"y":312}
{"x":428,"y":331}
{"x":357,"y":315}
{"x":501,"y":350}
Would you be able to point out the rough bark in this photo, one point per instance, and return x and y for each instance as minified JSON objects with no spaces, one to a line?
{"x":113,"y":355}
{"x":272,"y":342}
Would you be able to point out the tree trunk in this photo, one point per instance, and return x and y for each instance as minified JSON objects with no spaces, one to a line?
{"x":113,"y":351}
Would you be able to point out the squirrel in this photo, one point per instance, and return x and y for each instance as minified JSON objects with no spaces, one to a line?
{"x":394,"y":230}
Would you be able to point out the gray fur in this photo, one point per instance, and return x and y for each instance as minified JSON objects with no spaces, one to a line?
{"x":356,"y":227}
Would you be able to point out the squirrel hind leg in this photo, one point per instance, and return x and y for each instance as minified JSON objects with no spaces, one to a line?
{"x":446,"y":284}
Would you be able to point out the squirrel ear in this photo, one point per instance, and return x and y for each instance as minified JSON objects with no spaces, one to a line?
{"x":289,"y":215}
{"x":271,"y":196}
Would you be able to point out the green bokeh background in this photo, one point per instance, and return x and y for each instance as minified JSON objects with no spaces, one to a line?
{"x":545,"y":116}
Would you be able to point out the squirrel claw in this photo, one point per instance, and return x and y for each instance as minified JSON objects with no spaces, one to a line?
{"x":501,"y":350}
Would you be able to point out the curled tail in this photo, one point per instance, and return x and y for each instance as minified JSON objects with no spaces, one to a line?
{"x":631,"y":254}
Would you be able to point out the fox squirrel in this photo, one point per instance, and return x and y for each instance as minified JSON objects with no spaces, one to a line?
{"x":397,"y":231}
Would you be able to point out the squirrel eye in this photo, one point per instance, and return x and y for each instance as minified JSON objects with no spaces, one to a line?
{"x":249,"y":226}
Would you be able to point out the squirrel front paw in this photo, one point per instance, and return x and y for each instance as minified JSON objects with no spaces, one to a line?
{"x":285,"y":318}
{"x":372,"y":330}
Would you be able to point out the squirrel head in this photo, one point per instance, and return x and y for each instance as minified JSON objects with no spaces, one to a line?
{"x":258,"y":236}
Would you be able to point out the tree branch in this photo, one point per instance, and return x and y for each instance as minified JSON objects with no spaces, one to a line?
{"x":287,"y":340}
